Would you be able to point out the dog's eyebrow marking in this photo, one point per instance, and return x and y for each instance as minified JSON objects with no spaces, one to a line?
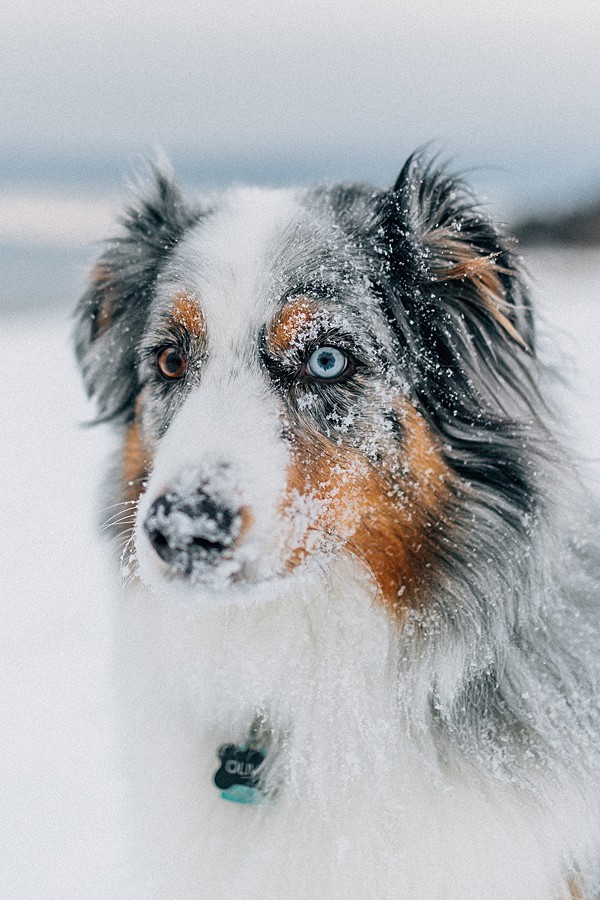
{"x":292,"y":322}
{"x":186,"y":312}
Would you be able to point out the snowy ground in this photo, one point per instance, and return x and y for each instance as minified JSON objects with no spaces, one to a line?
{"x":59,"y":794}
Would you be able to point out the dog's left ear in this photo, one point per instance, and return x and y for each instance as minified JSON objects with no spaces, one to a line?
{"x":451,"y":286}
{"x":442,"y":247}
{"x":112,"y":314}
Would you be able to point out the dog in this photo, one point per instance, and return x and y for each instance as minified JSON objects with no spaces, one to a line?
{"x":357,"y":652}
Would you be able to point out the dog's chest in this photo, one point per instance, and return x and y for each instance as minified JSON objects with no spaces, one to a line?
{"x":352,"y":809}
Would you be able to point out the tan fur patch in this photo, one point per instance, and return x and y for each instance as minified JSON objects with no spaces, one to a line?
{"x":247,"y":523}
{"x":187,"y":313}
{"x":136,"y":457}
{"x":289,"y":324}
{"x":483,"y":271}
{"x":383,"y":515}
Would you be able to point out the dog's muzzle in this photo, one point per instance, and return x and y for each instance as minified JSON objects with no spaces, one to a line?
{"x":192,"y":530}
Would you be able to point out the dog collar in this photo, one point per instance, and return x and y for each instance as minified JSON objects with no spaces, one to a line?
{"x":239,"y":775}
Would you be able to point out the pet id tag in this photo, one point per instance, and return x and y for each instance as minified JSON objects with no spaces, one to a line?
{"x":238,"y":778}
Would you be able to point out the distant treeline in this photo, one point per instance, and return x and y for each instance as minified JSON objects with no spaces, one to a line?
{"x":579,"y":227}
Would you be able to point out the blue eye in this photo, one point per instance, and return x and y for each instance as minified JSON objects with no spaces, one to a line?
{"x":326,"y":363}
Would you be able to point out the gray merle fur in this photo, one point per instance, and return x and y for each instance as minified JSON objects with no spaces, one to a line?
{"x":127,"y":273}
{"x":514,"y":586}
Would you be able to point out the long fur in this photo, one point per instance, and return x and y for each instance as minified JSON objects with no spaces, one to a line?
{"x":428,"y":667}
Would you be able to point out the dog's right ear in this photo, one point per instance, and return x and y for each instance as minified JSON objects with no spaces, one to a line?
{"x":113,"y":312}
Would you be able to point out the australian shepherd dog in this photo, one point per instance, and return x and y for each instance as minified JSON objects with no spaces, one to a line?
{"x":358,"y":645}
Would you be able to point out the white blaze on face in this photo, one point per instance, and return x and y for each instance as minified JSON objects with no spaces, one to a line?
{"x":228,"y":429}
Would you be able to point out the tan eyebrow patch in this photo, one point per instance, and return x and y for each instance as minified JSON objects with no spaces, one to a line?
{"x":389,"y":515}
{"x":186,"y":313}
{"x":292,"y":322}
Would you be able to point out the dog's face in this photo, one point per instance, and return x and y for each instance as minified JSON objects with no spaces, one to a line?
{"x":274,"y":419}
{"x":304,"y":375}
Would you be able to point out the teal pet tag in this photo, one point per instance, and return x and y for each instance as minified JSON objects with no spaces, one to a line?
{"x":238,"y":777}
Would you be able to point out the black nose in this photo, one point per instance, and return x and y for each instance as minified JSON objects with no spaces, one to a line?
{"x":192,"y":531}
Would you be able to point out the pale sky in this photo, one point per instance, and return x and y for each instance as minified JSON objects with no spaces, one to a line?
{"x":280,"y":92}
{"x":507,"y":83}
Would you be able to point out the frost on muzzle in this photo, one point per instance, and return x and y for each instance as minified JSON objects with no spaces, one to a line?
{"x":196,"y":523}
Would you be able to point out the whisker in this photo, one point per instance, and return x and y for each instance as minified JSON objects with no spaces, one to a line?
{"x":122,"y":518}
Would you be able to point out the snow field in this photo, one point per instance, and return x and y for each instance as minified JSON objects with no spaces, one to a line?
{"x":59,"y":787}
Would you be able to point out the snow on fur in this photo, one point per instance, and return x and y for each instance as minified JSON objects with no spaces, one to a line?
{"x":436,"y":735}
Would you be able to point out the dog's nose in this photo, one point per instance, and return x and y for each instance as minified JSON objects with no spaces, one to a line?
{"x":191,"y":531}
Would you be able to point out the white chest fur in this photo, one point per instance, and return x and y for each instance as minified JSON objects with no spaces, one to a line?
{"x":363,"y":809}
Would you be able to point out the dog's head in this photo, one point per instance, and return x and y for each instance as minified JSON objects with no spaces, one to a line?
{"x":306,"y":374}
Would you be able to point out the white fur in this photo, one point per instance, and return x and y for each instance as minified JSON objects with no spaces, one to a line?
{"x":363,"y":812}
{"x":365,"y":807}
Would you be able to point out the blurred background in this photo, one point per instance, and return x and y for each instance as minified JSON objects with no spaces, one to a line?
{"x":265,"y":92}
{"x":279,"y":93}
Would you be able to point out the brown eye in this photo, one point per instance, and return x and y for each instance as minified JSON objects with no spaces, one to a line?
{"x":171,"y":363}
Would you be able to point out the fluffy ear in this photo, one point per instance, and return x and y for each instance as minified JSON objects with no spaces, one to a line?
{"x":464,"y":248}
{"x":112,"y":314}
{"x":452,"y":287}
{"x":456,"y":272}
